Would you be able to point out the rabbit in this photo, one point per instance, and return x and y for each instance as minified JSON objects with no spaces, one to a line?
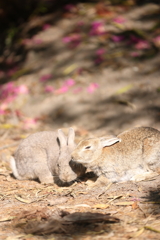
{"x":46,"y":156}
{"x":134,"y":155}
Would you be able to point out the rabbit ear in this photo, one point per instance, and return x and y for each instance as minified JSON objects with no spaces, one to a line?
{"x":108,"y":141}
{"x":62,"y":138}
{"x":71,"y":137}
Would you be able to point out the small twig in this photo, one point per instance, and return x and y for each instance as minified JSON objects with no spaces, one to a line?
{"x":8,"y":146}
{"x":108,"y":186}
{"x":152,"y":229}
{"x":114,"y":198}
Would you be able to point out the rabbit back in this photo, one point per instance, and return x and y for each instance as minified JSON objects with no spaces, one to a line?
{"x":137,"y":153}
{"x":139,"y":144}
{"x":36,"y":155}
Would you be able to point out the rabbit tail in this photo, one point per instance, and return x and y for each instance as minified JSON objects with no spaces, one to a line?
{"x":14,"y":168}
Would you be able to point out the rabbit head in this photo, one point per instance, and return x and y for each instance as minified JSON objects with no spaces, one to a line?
{"x":89,"y":150}
{"x":67,"y":145}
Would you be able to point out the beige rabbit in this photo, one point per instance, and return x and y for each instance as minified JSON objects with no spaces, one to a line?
{"x":46,"y":156}
{"x":132,"y":155}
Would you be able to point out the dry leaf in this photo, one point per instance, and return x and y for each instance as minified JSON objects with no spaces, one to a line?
{"x":124,"y":89}
{"x":22,"y":199}
{"x":5,"y":219}
{"x":127,"y":103}
{"x":109,"y":185}
{"x":6,"y":126}
{"x":137,"y":234}
{"x":135,"y":205}
{"x":123,"y":203}
{"x":18,"y":237}
{"x":152,"y":229}
{"x":100,"y":206}
{"x":70,"y":69}
{"x":114,"y":198}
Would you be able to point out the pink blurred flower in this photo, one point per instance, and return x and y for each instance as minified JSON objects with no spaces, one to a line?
{"x":116,"y":38}
{"x":69,"y":82}
{"x":92,"y":87}
{"x":46,"y":26}
{"x":49,"y":89}
{"x":136,"y":199}
{"x":119,"y":20}
{"x":156,"y":40}
{"x":18,"y":113}
{"x":100,"y":51}
{"x":37,"y":41}
{"x":80,"y":23}
{"x":66,"y":39}
{"x":69,"y":7}
{"x":66,"y":86}
{"x":3,"y":108}
{"x":99,"y":59}
{"x":142,"y":44}
{"x":77,"y":90}
{"x":45,"y":77}
{"x":10,"y":98}
{"x":31,"y":41}
{"x":134,"y":39}
{"x":135,"y":54}
{"x":30,"y":123}
{"x":2,"y":112}
{"x":74,"y":39}
{"x":8,"y":91}
{"x":26,"y":41}
{"x":139,"y":43}
{"x":97,"y":28}
{"x":63,"y":89}
{"x":22,"y":89}
{"x":79,"y":71}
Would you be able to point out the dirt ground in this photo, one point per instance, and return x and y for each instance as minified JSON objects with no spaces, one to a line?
{"x":128,"y":95}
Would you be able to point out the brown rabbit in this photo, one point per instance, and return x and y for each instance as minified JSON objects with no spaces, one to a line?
{"x":46,"y":156}
{"x":132,"y":155}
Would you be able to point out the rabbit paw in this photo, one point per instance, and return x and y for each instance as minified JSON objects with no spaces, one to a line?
{"x":101,"y":181}
{"x":46,"y":180}
{"x":144,"y":176}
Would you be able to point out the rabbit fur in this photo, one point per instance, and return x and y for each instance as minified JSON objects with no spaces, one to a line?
{"x":46,"y":156}
{"x":132,"y":155}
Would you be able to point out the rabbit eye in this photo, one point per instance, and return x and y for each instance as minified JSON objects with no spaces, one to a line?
{"x":88,"y":147}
